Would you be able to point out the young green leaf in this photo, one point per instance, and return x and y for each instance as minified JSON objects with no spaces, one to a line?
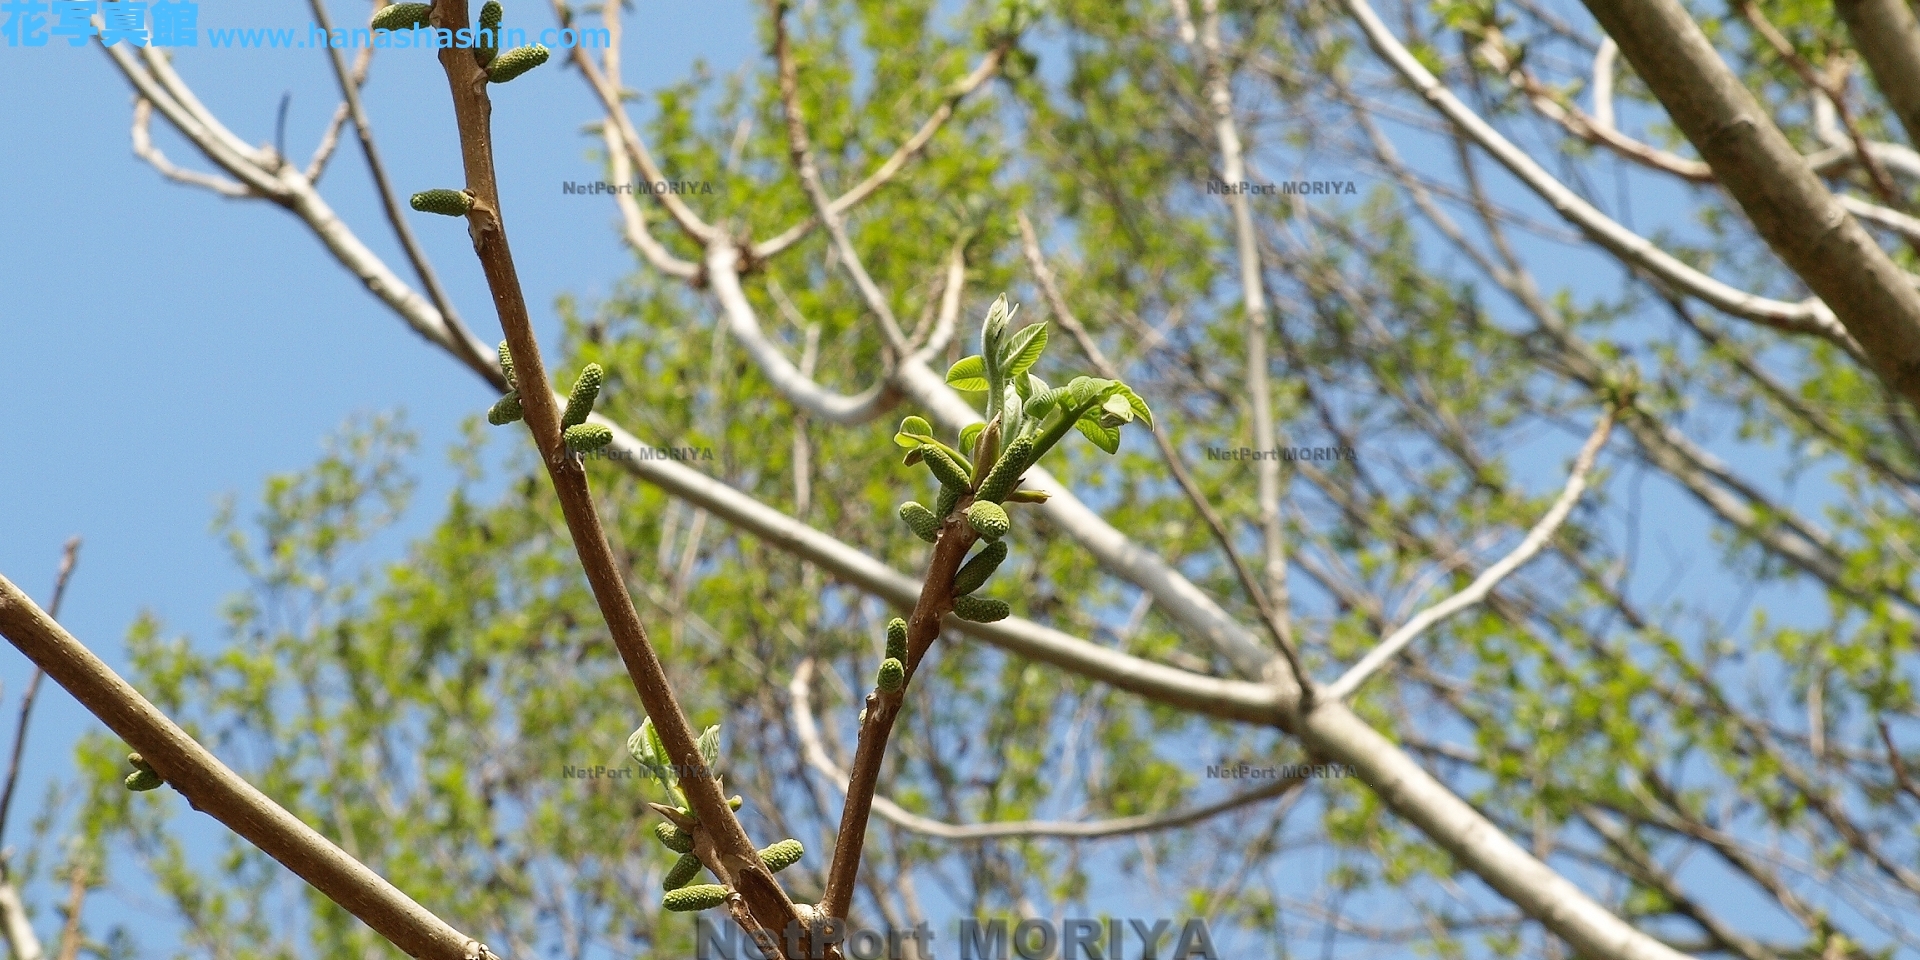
{"x":1024,"y":351}
{"x":969,"y":374}
{"x":913,"y":433}
{"x":709,"y":744}
{"x":1105,"y":437}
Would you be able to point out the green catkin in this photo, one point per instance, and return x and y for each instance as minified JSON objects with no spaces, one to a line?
{"x":515,"y":62}
{"x":949,"y":473}
{"x":490,"y":16}
{"x":505,"y":410}
{"x":506,"y":365}
{"x":921,"y":521}
{"x":674,"y":838}
{"x":588,"y":437}
{"x":897,"y":639}
{"x":980,"y":609}
{"x":683,"y":872}
{"x":447,"y":203}
{"x":585,"y":391}
{"x":700,"y":896}
{"x":139,"y":762}
{"x":949,"y":498}
{"x":1006,"y":473}
{"x":403,"y":16}
{"x":989,"y":519}
{"x":143,"y":780}
{"x":781,"y":855}
{"x":893,"y":675}
{"x":977,"y":570}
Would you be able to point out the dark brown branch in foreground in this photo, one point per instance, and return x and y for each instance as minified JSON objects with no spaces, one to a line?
{"x":68,"y":557}
{"x":731,"y":856}
{"x":211,"y":788}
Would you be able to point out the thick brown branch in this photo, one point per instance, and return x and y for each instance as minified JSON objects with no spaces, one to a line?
{"x":211,"y":788}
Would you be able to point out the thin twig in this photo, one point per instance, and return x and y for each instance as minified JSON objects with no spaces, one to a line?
{"x":69,"y":556}
{"x":720,"y":840}
{"x":808,"y":732}
{"x":350,"y":90}
{"x":1270,"y":618}
{"x":1482,"y":585}
{"x":1899,"y":766}
{"x":210,"y":787}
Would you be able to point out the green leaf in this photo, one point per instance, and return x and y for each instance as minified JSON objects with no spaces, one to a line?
{"x":1104,"y":437}
{"x":1025,"y":350}
{"x":969,"y":374}
{"x":970,"y":434}
{"x":1085,"y":390}
{"x":709,"y":743}
{"x":1133,"y":400}
{"x":913,"y":432}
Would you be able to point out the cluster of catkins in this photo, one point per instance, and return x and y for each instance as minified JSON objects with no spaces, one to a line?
{"x":682,"y":894}
{"x":580,"y":435}
{"x":500,"y":68}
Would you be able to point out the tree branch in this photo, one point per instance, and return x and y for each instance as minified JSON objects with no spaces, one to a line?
{"x":211,"y":788}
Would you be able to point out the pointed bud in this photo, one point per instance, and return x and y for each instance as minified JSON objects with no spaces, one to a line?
{"x":921,"y":521}
{"x":893,"y":675}
{"x":980,"y":609}
{"x":515,"y":62}
{"x":683,"y":872}
{"x":700,"y":896}
{"x":977,"y":570}
{"x":989,"y":519}
{"x":897,"y":639}
{"x":447,"y":203}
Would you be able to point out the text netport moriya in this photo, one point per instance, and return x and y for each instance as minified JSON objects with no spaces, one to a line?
{"x":649,"y":187}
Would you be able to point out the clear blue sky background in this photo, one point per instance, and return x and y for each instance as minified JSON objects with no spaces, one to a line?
{"x":163,"y":347}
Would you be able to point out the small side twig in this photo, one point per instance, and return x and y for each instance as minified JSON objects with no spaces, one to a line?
{"x":1535,"y":540}
{"x":1282,"y":637}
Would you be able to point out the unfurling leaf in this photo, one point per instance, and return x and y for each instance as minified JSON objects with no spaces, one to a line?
{"x":980,"y":609}
{"x":913,"y":432}
{"x":1024,"y":351}
{"x":709,"y":744}
{"x":969,"y":374}
{"x":893,"y":675}
{"x":782,"y":855}
{"x":988,"y":519}
{"x":683,"y":872}
{"x":921,"y":521}
{"x":977,"y":570}
{"x":897,"y":639}
{"x":700,"y":896}
{"x":447,"y":203}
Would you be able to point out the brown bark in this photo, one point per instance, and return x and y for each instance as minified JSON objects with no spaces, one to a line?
{"x":1786,"y":202}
